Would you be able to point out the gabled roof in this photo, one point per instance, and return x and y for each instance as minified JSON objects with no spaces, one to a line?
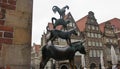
{"x":115,"y":22}
{"x":50,"y":26}
{"x":81,"y":23}
{"x":70,"y":17}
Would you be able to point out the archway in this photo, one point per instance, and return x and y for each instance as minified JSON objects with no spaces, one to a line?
{"x":92,"y":66}
{"x":64,"y":66}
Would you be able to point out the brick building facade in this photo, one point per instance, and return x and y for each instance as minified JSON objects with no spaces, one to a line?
{"x":15,"y":33}
{"x":35,"y":56}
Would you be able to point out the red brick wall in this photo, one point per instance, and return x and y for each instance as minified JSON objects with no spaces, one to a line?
{"x":8,"y":4}
{"x":6,"y":32}
{"x":2,"y":16}
{"x":0,"y":48}
{"x":6,"y":35}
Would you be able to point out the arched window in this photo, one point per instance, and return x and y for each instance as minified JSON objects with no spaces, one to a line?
{"x":89,"y":43}
{"x":92,"y":35}
{"x":64,"y":66}
{"x":92,"y":66}
{"x":96,"y":43}
{"x":100,"y":43}
{"x":90,"y":53}
{"x":88,"y":34}
{"x":98,"y":53}
{"x":94,"y":53}
{"x":93,"y":43}
{"x":96,"y":28}
{"x":88,"y":26}
{"x":95,"y":35}
{"x":93,"y":27}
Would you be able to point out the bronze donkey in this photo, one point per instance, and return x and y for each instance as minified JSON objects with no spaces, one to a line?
{"x":64,"y":53}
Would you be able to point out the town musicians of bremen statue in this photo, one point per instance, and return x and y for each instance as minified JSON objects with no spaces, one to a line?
{"x":56,"y":52}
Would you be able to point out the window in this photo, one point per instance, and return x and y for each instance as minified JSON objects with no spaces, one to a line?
{"x":93,"y":43}
{"x":108,"y":51}
{"x":88,"y":34}
{"x":107,"y":40}
{"x":115,"y":41}
{"x":92,"y":21}
{"x":89,"y":43}
{"x":70,"y":24}
{"x":95,"y":35}
{"x":90,"y":53}
{"x":99,"y":36}
{"x":117,"y":51}
{"x":111,"y":32}
{"x":101,"y":51}
{"x":92,"y":35}
{"x":111,"y":40}
{"x":94,"y":53}
{"x":96,"y":43}
{"x":100,"y":43}
{"x":98,"y":53}
{"x":93,"y":27}
{"x":96,"y":28}
{"x":88,"y":26}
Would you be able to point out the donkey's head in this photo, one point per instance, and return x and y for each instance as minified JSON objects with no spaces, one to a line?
{"x":80,"y":47}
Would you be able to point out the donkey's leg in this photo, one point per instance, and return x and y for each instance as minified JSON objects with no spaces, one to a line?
{"x":43,"y":62}
{"x":72,"y":64}
{"x":68,"y":41}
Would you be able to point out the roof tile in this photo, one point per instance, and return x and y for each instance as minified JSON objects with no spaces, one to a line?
{"x":115,"y":22}
{"x":81,"y":23}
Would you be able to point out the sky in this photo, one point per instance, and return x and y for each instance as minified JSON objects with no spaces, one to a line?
{"x":42,"y":12}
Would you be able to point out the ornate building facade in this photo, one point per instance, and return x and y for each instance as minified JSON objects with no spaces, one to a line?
{"x":96,"y":41}
{"x":111,"y":38}
{"x":90,"y":30}
{"x":35,"y":56}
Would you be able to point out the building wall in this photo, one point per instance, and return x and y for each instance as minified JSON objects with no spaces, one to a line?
{"x":15,"y":33}
{"x":16,"y":56}
{"x":35,"y":56}
{"x":20,"y":20}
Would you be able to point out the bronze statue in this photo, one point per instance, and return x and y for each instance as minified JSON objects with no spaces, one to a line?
{"x":64,"y":35}
{"x":59,"y":22}
{"x":61,"y":53}
{"x":60,"y":11}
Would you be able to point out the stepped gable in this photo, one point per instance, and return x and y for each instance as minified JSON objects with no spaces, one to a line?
{"x":115,"y":22}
